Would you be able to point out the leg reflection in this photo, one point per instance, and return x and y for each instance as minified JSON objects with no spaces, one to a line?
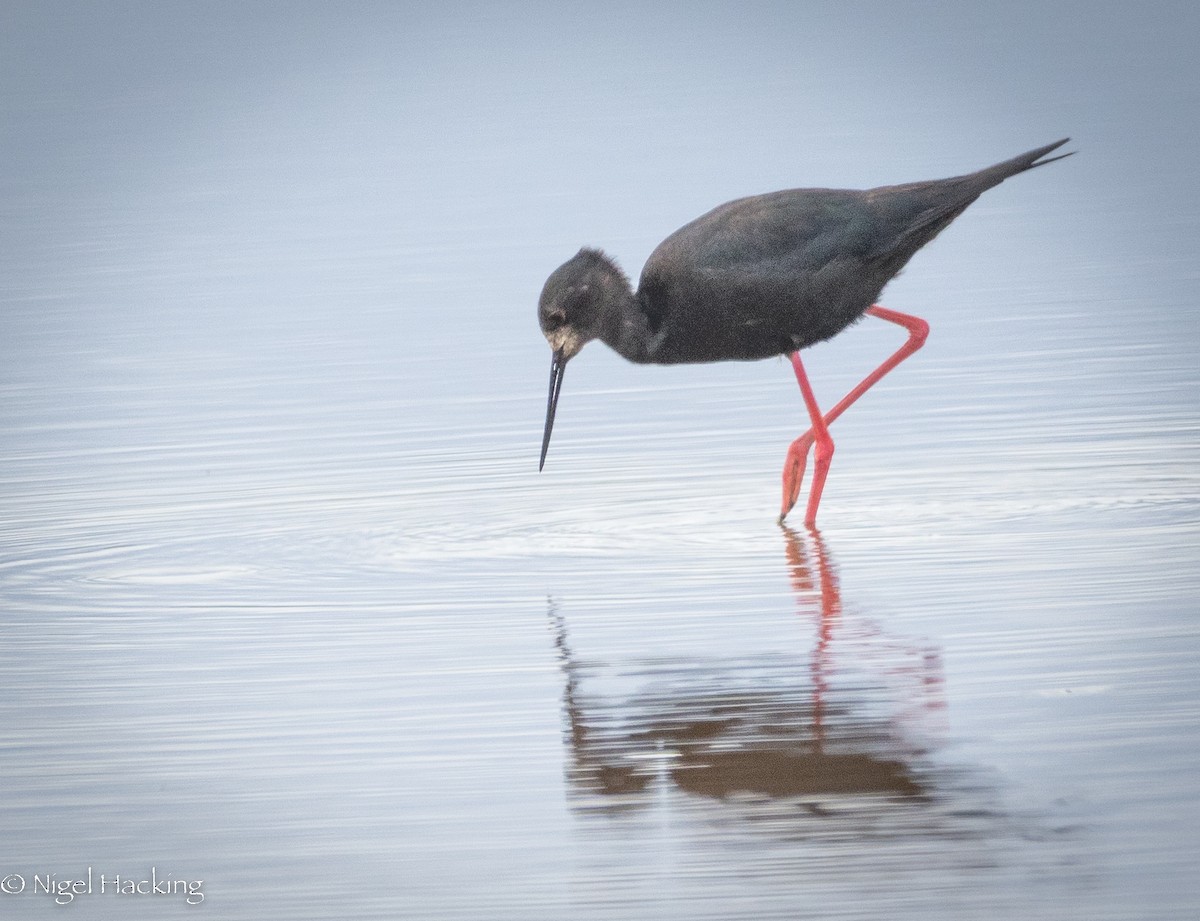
{"x":832,"y":722}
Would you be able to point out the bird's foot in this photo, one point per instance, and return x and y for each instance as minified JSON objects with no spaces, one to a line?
{"x":793,"y":472}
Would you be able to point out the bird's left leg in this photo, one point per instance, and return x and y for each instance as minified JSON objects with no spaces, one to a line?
{"x":823,"y":455}
{"x":793,"y":470}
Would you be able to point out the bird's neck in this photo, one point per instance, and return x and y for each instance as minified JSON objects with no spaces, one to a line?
{"x":617,"y":318}
{"x":624,"y":327}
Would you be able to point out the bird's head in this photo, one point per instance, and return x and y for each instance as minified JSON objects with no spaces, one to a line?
{"x":570,"y":309}
{"x":571,"y":313}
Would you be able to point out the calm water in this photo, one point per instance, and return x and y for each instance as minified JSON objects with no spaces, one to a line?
{"x":285,"y":607}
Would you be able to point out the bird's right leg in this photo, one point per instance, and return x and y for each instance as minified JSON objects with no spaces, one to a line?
{"x":797,"y":459}
{"x":819,"y":433}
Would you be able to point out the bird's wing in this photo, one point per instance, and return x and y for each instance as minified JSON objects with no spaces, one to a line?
{"x":761,"y":275}
{"x":799,"y":230}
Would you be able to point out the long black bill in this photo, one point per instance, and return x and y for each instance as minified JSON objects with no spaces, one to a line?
{"x":556,"y":375}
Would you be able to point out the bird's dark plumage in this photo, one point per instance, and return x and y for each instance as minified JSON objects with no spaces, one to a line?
{"x":756,"y":277}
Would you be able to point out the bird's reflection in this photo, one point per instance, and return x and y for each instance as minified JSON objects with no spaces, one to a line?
{"x":849,"y":717}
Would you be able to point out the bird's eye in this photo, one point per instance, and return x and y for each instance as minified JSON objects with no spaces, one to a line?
{"x":553,"y":320}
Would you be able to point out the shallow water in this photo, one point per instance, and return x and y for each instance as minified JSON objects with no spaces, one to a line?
{"x":287,"y":609}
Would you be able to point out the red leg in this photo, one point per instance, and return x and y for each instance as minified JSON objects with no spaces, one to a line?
{"x":793,"y":469}
{"x":818,"y":434}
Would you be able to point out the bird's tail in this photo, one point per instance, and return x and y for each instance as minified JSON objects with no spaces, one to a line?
{"x":994,"y":175}
{"x":931,"y":206}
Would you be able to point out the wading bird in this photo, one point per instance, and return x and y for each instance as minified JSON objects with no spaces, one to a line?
{"x":763,"y":276}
